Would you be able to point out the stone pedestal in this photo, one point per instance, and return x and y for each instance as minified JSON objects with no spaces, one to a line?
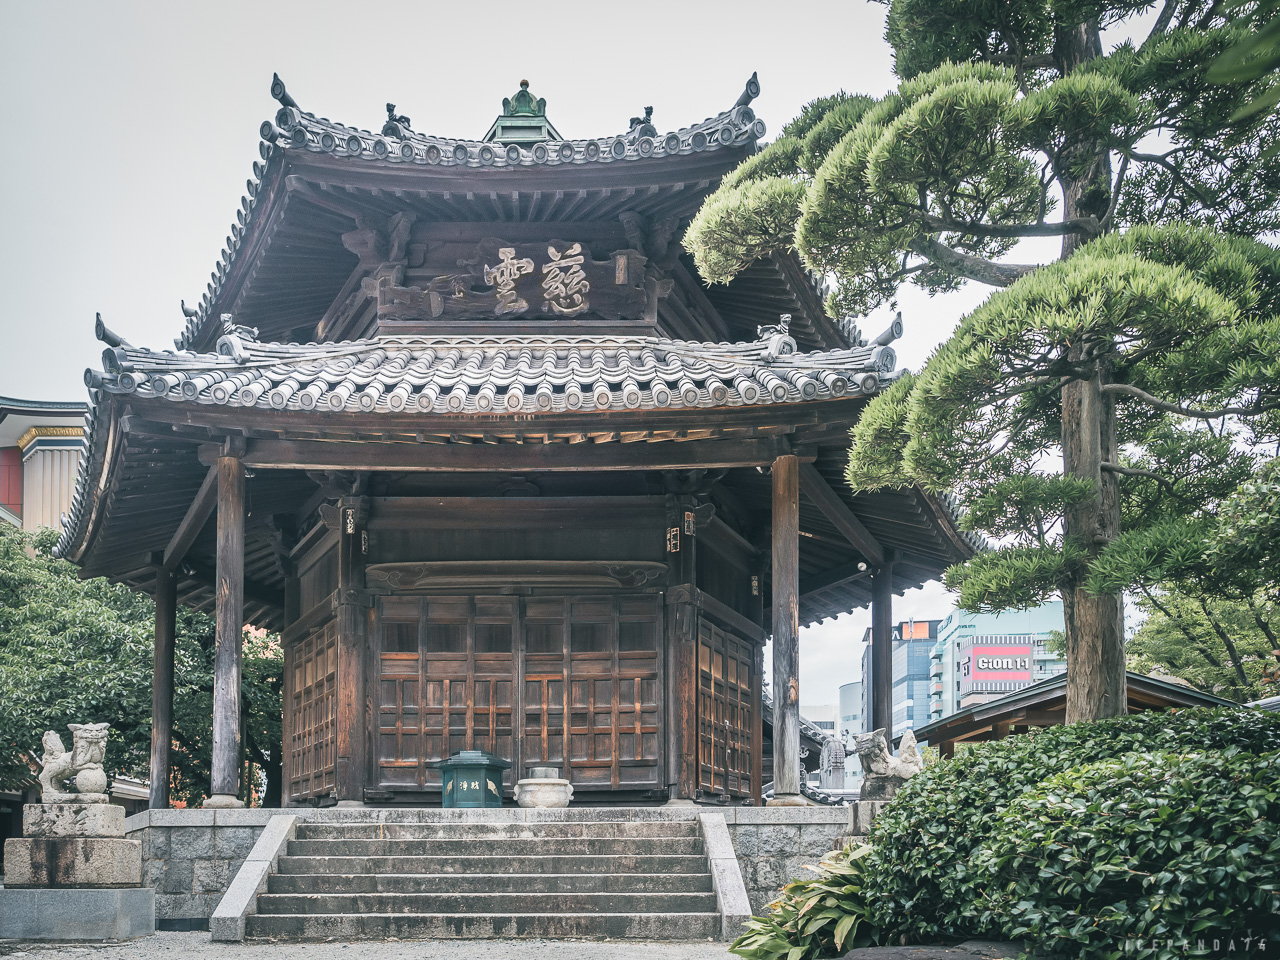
{"x":77,"y":914}
{"x":543,"y":792}
{"x":72,"y":862}
{"x":881,"y":787}
{"x":72,"y":820}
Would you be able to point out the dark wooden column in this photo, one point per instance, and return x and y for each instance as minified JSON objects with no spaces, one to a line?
{"x":229,"y":618}
{"x":786,"y":631}
{"x":682,"y":620}
{"x":353,"y":724}
{"x":166,"y":597}
{"x":882,"y":647}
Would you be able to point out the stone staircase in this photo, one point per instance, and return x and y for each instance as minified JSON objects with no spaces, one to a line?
{"x":354,"y":879}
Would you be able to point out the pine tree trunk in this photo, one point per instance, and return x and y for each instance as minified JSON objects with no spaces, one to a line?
{"x":1094,"y":624}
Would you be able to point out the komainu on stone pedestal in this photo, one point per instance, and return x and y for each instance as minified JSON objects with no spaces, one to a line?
{"x":884,"y":774}
{"x":83,"y":762}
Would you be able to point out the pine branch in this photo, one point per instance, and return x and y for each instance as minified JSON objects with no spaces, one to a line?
{"x":968,"y":266}
{"x":1130,"y":390}
{"x":1085,"y":226}
{"x":1135,"y":472}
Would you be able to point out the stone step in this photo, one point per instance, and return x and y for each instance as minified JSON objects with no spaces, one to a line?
{"x":490,"y":882}
{"x":365,"y":926}
{"x":468,"y":846}
{"x":511,"y":901}
{"x":552,"y":830}
{"x":490,"y":864}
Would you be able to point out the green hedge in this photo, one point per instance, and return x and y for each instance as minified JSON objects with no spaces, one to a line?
{"x":928,"y":877}
{"x":1133,"y":855}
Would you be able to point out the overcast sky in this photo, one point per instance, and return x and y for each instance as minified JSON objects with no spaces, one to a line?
{"x":130,"y":129}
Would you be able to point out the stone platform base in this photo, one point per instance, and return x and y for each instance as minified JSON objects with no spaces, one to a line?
{"x":72,"y":820}
{"x":77,"y":914}
{"x":72,"y":862}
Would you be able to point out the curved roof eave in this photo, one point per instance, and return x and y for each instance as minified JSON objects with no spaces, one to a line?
{"x":299,"y":132}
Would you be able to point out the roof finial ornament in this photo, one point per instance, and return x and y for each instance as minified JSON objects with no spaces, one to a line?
{"x":523,"y":104}
{"x":281,"y":94}
{"x":397,"y":125}
{"x":642,"y":126}
{"x":749,"y":92}
{"x":776,"y":337}
{"x":188,"y":312}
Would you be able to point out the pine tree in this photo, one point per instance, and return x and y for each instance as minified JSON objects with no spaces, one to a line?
{"x":1044,"y":409}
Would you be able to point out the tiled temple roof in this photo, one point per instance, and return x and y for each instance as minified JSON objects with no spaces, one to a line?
{"x":294,"y":130}
{"x":467,"y":374}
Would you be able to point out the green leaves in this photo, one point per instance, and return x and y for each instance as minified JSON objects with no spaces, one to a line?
{"x":816,"y":918}
{"x":75,"y":650}
{"x":1182,"y":314}
{"x":1002,"y":839}
{"x":1014,"y":577}
{"x":1119,"y":850}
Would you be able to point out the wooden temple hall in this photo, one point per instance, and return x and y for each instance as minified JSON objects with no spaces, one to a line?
{"x":460,"y":421}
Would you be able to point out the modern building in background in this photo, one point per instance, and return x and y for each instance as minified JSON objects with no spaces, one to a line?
{"x":913,"y":642}
{"x":978,"y":657}
{"x":40,"y":446}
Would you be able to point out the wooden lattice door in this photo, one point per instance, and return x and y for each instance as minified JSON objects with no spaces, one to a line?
{"x":445,"y":681}
{"x":579,"y":676}
{"x":592,"y":682}
{"x":726,"y":710}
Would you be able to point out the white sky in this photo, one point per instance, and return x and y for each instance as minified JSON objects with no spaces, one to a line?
{"x":131,"y":128}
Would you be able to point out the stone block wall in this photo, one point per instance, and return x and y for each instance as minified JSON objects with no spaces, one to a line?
{"x":775,"y":844}
{"x":190,"y":857}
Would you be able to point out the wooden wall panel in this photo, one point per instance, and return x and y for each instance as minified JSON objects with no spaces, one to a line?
{"x":311,"y":701}
{"x":727,"y":706}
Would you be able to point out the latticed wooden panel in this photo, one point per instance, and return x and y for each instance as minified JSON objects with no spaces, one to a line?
{"x":312,"y":672}
{"x":570,"y":682}
{"x":726,"y":663}
{"x":592,"y":681}
{"x":445,"y":682}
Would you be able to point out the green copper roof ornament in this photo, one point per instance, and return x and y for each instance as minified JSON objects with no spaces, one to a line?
{"x":523,"y":120}
{"x":523,"y":104}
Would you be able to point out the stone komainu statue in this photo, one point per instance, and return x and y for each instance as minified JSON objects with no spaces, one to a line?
{"x":83,"y":762}
{"x":883,"y":772}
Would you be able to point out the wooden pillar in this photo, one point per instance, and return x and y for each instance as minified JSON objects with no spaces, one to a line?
{"x":166,"y":597}
{"x":229,"y":618}
{"x":882,"y":648}
{"x":786,"y":631}
{"x":682,"y":620}
{"x":757,"y":691}
{"x":353,"y":726}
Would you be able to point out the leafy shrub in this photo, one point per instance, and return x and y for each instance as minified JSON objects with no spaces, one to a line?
{"x":924,"y":863}
{"x":815,"y":918}
{"x":1133,"y":855}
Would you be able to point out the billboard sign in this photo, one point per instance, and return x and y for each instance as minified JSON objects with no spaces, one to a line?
{"x":1005,"y":663}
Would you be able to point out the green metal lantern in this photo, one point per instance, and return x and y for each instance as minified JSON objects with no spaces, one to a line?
{"x":472,"y":778}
